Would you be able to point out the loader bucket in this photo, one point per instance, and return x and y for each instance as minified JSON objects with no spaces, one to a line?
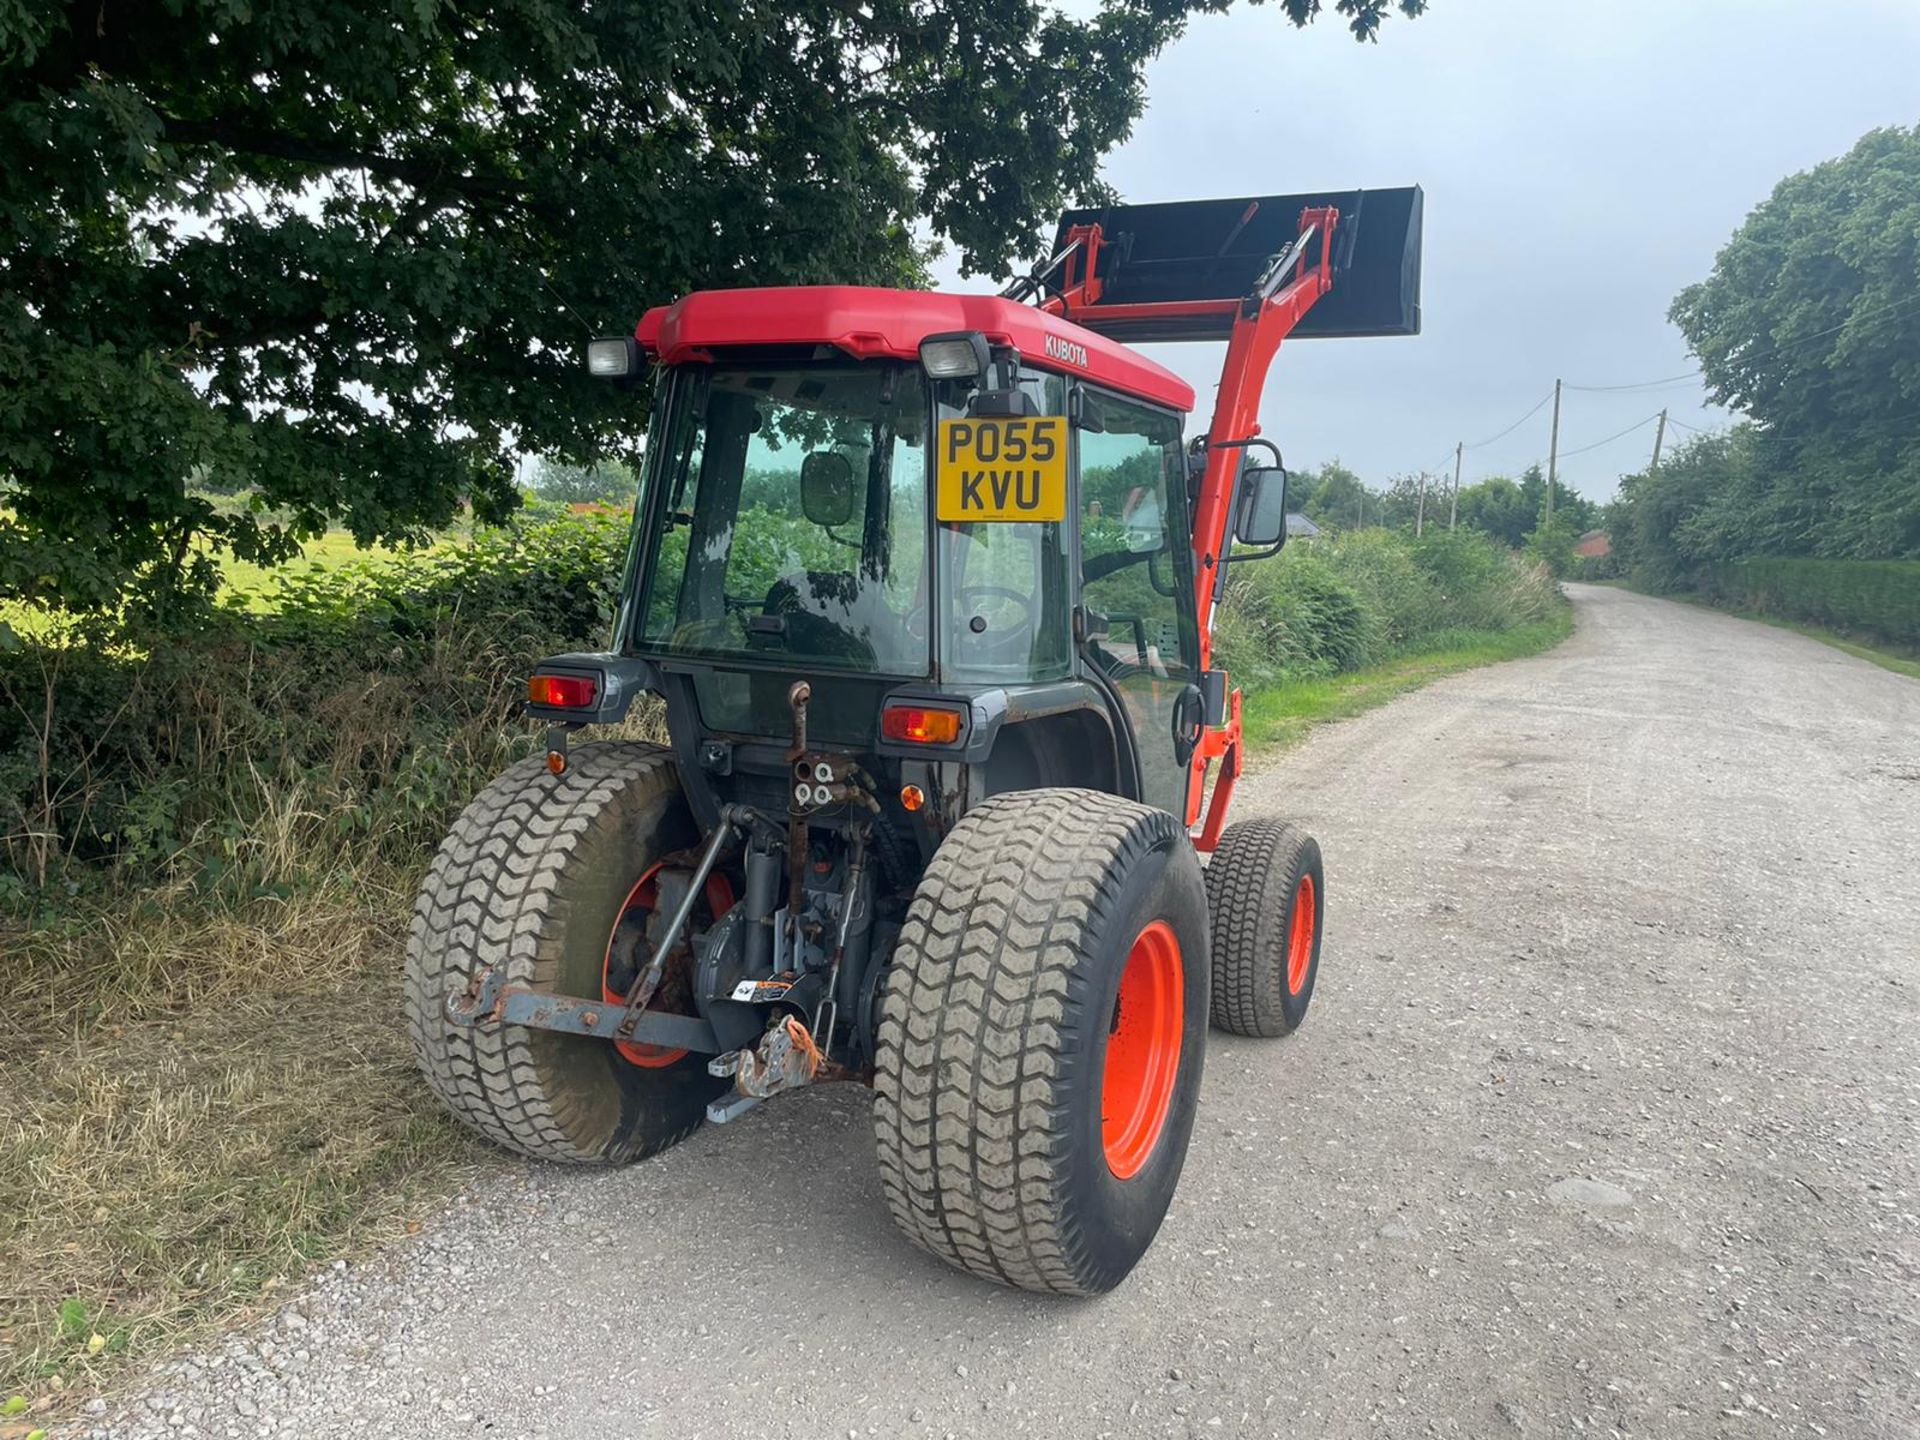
{"x":1198,"y":250}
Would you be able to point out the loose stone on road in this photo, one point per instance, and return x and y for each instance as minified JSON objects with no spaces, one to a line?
{"x":1606,"y":1121}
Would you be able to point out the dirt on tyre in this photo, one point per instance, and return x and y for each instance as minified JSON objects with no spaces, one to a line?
{"x":1267,"y":896}
{"x":544,"y":872}
{"x":1042,"y":1030}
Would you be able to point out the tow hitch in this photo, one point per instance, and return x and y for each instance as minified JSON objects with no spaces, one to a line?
{"x":786,"y":1058}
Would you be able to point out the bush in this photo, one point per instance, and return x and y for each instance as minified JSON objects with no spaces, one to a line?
{"x":1877,"y":598}
{"x":256,"y":751}
{"x":1341,"y":604}
{"x":1596,"y":567}
{"x":1292,"y":617}
{"x":1552,"y":545}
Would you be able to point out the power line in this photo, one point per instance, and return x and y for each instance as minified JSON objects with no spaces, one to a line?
{"x":1481,"y":444}
{"x":1870,"y":316}
{"x":1637,"y":425}
{"x":1638,"y":384}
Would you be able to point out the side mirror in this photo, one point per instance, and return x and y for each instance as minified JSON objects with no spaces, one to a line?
{"x":826,"y":488}
{"x":1262,"y":511}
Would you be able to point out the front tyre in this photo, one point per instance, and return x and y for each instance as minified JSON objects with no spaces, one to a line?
{"x":548,"y":873}
{"x":1042,"y":1030}
{"x":1267,"y":893}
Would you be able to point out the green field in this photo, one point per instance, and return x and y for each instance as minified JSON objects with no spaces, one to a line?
{"x":255,"y":584}
{"x":252,"y":585}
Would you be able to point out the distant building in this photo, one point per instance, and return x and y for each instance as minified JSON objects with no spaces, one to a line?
{"x":1299,"y":527}
{"x":1594,"y":543}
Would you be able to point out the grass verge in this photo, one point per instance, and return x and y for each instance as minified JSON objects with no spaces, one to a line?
{"x":202,"y":1100}
{"x":182,"y":1139}
{"x":1281,"y":715}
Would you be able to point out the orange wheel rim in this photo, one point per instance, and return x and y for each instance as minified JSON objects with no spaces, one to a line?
{"x":719,"y":896}
{"x":1143,"y":1050}
{"x":1300,"y":936}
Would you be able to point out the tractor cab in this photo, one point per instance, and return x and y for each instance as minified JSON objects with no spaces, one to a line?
{"x":926,"y":585}
{"x":991,"y":523}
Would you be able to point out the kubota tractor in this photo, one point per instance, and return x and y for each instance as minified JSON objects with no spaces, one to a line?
{"x":925,"y":583}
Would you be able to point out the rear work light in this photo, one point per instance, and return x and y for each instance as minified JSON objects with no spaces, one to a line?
{"x":920,"y":724}
{"x":564,"y":692}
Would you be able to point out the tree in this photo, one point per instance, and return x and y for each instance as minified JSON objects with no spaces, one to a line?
{"x":1694,"y":510}
{"x":345,"y":253}
{"x":1810,"y":323}
{"x":1574,"y":508}
{"x":1332,"y":497}
{"x":610,"y":483}
{"x":1511,"y":512}
{"x":1498,"y":507}
{"x":1399,"y":503}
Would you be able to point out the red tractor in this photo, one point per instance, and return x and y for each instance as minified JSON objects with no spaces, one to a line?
{"x":925,"y":583}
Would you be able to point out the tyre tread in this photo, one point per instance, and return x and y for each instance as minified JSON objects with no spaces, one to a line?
{"x":1250,"y":882}
{"x":985,"y":992}
{"x":492,"y":893}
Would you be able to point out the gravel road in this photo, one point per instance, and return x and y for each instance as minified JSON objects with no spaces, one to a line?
{"x":1606,"y":1122}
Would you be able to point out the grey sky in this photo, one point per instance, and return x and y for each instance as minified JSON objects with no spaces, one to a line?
{"x":1583,"y":160}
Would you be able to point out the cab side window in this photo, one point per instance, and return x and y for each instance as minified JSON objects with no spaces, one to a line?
{"x":1136,"y":562}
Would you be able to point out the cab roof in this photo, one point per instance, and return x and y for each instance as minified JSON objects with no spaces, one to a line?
{"x":870,"y":323}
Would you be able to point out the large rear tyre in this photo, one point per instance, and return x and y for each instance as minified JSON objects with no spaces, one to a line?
{"x":1042,"y":1030}
{"x":1267,"y":897}
{"x":541,"y":871}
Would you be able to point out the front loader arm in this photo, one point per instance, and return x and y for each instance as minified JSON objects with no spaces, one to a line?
{"x":1293,"y":281}
{"x":1258,"y":328}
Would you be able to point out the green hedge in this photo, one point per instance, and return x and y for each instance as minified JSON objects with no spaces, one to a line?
{"x":1339,"y":604}
{"x":1878,"y":598}
{"x":254,"y":752}
{"x":258,"y":754}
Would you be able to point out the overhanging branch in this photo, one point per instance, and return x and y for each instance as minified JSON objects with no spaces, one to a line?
{"x":428,"y":177}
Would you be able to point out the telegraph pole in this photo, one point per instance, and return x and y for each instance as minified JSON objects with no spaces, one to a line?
{"x":1553,"y":454}
{"x":1420,"y":515}
{"x":1453,"y":505}
{"x":1659,"y":434}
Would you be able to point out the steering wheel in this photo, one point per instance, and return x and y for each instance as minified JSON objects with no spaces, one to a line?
{"x":1012,"y":641}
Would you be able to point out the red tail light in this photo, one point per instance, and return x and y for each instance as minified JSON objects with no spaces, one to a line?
{"x":567,"y":692}
{"x":920,"y":725}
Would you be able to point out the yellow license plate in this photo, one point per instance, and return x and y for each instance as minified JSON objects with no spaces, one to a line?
{"x":1006,"y":468}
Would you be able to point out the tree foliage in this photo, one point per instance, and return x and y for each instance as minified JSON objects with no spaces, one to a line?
{"x":1331,"y":496}
{"x":607,"y":483}
{"x":1810,"y":324}
{"x":344,"y":253}
{"x":1495,"y":506}
{"x":1667,"y":525}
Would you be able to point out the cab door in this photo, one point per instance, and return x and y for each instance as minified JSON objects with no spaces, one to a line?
{"x":1136,"y":582}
